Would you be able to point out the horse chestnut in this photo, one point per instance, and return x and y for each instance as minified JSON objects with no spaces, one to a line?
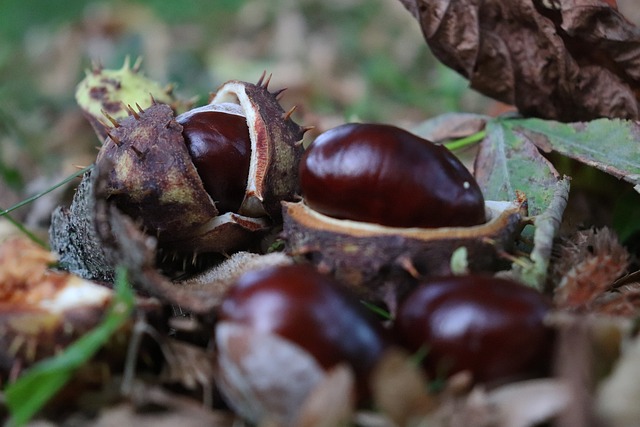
{"x":492,"y":327}
{"x":220,"y":148}
{"x":383,"y":174}
{"x":310,"y":309}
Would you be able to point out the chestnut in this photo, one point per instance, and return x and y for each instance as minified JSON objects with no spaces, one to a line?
{"x":311,"y":310}
{"x":205,"y":182}
{"x":489,"y":326}
{"x":382,"y":174}
{"x":220,"y":149}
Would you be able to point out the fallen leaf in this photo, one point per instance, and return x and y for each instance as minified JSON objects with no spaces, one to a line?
{"x":331,"y":402}
{"x":400,"y":388}
{"x":609,"y":145}
{"x":568,"y":60}
{"x":156,"y":407}
{"x":529,"y":403}
{"x":450,"y":126}
{"x":618,"y":396}
{"x":508,"y":164}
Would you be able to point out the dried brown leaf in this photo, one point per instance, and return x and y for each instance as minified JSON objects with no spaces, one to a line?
{"x":400,"y":388}
{"x":189,"y":366}
{"x":619,"y":394}
{"x":155,"y":407}
{"x":622,"y":301}
{"x":450,"y":126}
{"x":521,"y":404}
{"x":568,"y":60}
{"x":331,"y":402}
{"x":529,"y":403}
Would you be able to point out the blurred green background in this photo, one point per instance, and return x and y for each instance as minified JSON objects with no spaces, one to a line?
{"x":341,"y":60}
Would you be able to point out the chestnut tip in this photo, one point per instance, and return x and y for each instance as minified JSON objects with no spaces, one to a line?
{"x":137,"y":65}
{"x":277,"y":94}
{"x":286,"y":116}
{"x":114,"y":138}
{"x":109,"y":117}
{"x":96,"y":66}
{"x":132,"y":112}
{"x":262,"y":82}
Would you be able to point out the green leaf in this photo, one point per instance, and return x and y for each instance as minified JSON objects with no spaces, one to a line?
{"x":41,"y":382}
{"x":612,"y":146}
{"x":508,"y":163}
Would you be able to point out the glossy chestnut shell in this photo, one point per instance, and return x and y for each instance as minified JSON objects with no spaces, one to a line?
{"x":383,"y":174}
{"x":220,"y":149}
{"x":490,"y":326}
{"x":309,"y":309}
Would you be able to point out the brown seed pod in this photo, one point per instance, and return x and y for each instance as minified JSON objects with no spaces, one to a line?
{"x":153,"y":177}
{"x":369,"y":256}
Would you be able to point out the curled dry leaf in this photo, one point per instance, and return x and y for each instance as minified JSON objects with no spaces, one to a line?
{"x":568,"y":60}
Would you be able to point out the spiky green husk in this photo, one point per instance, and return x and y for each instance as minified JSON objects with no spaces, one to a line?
{"x":105,"y":94}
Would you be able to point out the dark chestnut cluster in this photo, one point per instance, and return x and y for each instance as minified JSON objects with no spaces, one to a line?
{"x":209,"y":181}
{"x":493,"y":328}
{"x":382,"y":174}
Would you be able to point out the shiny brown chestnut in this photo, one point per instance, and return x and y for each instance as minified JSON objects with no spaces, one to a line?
{"x":383,"y":174}
{"x":489,"y":326}
{"x":311,"y":310}
{"x":220,"y":149}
